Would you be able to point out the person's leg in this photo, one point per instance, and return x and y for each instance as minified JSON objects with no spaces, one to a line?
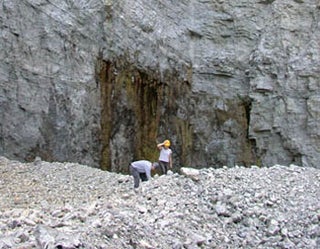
{"x":162,"y":167}
{"x":166,"y":167}
{"x":143,"y":177}
{"x":136,"y":177}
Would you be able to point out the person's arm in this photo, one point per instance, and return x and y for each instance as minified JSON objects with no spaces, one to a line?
{"x":148,"y":171}
{"x":170,"y":160}
{"x":159,"y":146}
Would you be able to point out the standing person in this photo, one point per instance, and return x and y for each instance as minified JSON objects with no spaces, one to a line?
{"x":141,"y":170}
{"x":165,"y":158}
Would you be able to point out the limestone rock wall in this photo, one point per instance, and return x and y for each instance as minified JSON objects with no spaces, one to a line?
{"x":251,"y":69}
{"x":101,"y":82}
{"x":49,"y":96}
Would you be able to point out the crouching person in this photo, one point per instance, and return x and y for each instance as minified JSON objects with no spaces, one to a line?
{"x":141,"y":170}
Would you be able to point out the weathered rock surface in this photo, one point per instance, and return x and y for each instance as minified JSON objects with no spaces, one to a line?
{"x":67,"y":205}
{"x":49,"y":98}
{"x":247,"y":76}
{"x":100,"y":82}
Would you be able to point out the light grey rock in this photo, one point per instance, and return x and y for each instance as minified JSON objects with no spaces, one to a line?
{"x":49,"y":238}
{"x":222,"y":210}
{"x":191,"y":173}
{"x":7,"y":242}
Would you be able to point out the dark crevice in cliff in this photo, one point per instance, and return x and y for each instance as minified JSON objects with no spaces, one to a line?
{"x":138,"y":110}
{"x":130,"y":115}
{"x":247,"y":106}
{"x":105,"y":78}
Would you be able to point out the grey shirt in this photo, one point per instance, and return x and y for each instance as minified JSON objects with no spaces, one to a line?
{"x":143,"y":166}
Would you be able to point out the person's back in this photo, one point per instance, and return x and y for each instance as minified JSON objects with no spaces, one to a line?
{"x":142,"y":166}
{"x":141,"y":170}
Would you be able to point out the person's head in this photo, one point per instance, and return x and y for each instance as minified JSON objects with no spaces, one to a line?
{"x":166,"y":143}
{"x":154,"y":165}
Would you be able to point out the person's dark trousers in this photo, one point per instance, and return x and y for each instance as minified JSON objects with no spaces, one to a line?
{"x":143,"y":177}
{"x":136,"y":176}
{"x":163,"y":167}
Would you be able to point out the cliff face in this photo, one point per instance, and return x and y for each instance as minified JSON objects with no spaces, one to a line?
{"x":49,"y":96}
{"x":241,"y":78}
{"x":100,"y":82}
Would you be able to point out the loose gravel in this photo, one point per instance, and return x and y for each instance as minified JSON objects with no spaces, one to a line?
{"x":67,"y":205}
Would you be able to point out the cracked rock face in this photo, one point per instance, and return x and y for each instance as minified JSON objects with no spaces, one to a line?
{"x":67,"y":205}
{"x":230,"y":83}
{"x":48,"y":92}
{"x":253,"y":69}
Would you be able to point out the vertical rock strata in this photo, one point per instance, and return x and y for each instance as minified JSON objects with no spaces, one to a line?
{"x":248,"y":70}
{"x":100,"y":82}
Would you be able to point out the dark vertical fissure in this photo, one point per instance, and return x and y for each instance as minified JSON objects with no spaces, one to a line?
{"x":105,"y":78}
{"x":252,"y":142}
{"x":129,"y":111}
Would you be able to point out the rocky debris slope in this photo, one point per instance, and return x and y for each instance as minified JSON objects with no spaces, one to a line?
{"x":67,"y":205}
